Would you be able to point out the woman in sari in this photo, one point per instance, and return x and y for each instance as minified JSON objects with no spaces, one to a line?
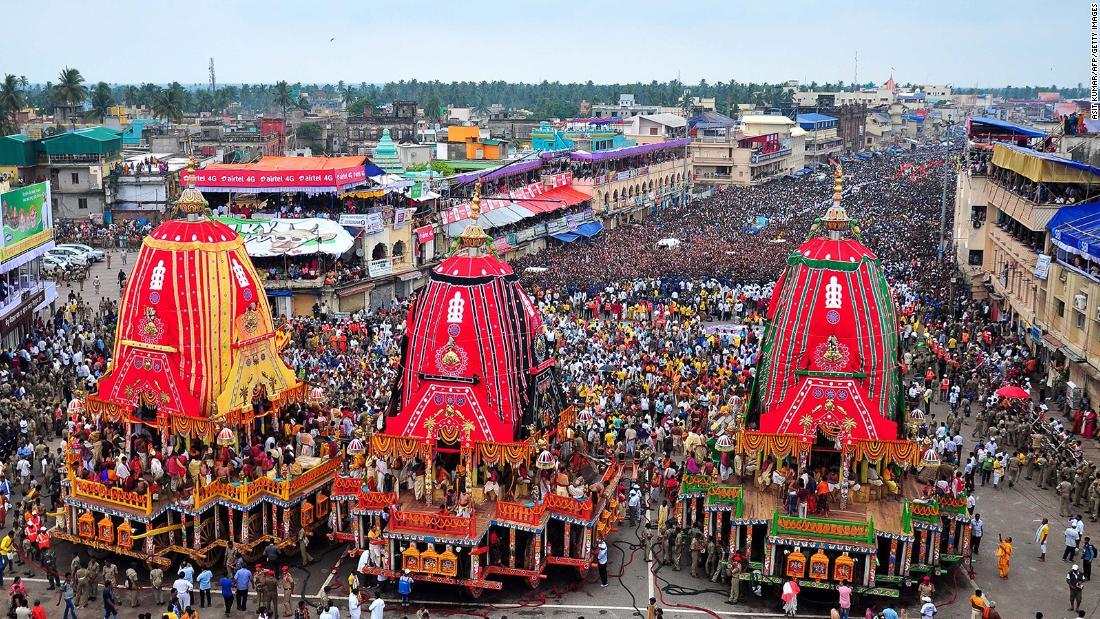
{"x":1004,"y":555}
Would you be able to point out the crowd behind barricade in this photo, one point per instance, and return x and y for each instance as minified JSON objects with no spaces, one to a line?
{"x":126,"y":234}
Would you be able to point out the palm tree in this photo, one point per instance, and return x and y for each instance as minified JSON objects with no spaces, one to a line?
{"x":132,"y":95}
{"x":303,"y":104}
{"x":11,"y":101}
{"x":70,"y":89}
{"x":283,"y":96}
{"x":23,"y":82}
{"x":348,"y":94}
{"x":168,"y":105}
{"x":102,"y":100}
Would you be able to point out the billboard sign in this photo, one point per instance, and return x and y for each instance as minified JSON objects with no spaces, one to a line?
{"x":27,"y":219}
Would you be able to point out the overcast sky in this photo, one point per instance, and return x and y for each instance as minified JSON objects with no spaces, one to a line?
{"x":1018,"y":42}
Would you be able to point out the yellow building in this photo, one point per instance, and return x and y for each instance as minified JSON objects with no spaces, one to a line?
{"x":477,"y":147}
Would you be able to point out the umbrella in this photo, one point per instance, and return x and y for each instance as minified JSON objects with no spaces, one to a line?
{"x":1012,"y":392}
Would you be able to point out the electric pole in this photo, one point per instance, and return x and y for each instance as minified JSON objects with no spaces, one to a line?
{"x":687,"y":141}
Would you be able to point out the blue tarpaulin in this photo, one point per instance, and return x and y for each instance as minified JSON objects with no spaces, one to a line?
{"x":1076,"y":229}
{"x":1000,"y":124}
{"x":373,"y":170}
{"x":589,"y":229}
{"x":565,"y":237}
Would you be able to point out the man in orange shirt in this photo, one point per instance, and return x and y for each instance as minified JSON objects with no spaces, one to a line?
{"x":978,"y":603}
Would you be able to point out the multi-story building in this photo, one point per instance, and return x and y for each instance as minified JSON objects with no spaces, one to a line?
{"x":754,"y":150}
{"x":78,"y":164}
{"x":626,"y":108}
{"x":879,"y":132}
{"x":1027,"y":235}
{"x":146,"y":185}
{"x":653,"y":128}
{"x":365,"y":130}
{"x":822,"y":141}
{"x":24,"y":289}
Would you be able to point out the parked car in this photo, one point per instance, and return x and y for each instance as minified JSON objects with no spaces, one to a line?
{"x":53,"y":264}
{"x":74,"y":257}
{"x":96,"y":255}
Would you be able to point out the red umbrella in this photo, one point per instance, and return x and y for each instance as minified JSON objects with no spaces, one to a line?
{"x":1013,"y":392}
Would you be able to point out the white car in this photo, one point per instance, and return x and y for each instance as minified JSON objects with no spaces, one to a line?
{"x":94,"y":254}
{"x":53,"y":264}
{"x":74,"y":257}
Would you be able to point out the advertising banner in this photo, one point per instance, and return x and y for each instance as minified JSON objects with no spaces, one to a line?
{"x":379,"y":268}
{"x":290,"y":237}
{"x":1042,"y":266}
{"x":275,"y":180}
{"x":27,"y":219}
{"x":401,"y":216}
{"x":425,"y":234}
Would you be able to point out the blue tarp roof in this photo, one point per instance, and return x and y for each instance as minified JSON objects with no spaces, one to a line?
{"x":565,"y":237}
{"x":914,"y":118}
{"x":813,"y":117}
{"x":373,"y":170}
{"x":1054,"y":158}
{"x":1000,"y":124}
{"x":589,"y":229}
{"x":1076,"y":229}
{"x":711,"y":120}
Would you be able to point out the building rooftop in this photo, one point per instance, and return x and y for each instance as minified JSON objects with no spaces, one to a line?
{"x":813,"y":117}
{"x":765,"y":119}
{"x":670,"y":120}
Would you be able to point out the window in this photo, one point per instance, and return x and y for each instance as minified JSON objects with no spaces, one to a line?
{"x":82,"y":203}
{"x":1080,"y":320}
{"x":975,"y":257}
{"x":1061,"y":308}
{"x":76,"y":178}
{"x":653,"y":131}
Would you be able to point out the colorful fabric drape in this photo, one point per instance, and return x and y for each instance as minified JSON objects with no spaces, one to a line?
{"x":399,"y":446}
{"x":498,"y":453}
{"x":772,"y":444}
{"x":901,"y":452}
{"x":105,"y":409}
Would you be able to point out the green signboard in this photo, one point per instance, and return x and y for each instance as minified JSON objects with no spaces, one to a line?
{"x":27,"y":219}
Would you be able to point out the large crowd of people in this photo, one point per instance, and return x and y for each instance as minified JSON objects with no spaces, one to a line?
{"x":656,"y":346}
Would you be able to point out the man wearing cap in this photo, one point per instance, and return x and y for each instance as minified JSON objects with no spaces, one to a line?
{"x":927,"y":609}
{"x":404,"y":588}
{"x":286,"y":583}
{"x":601,"y":560}
{"x":1076,"y":581}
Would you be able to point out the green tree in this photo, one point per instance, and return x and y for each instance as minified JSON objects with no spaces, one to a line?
{"x":102,"y":100}
{"x":303,"y":104}
{"x":11,"y":101}
{"x":359,"y":106}
{"x":439,"y":167}
{"x":133,"y":95}
{"x":70,"y":89}
{"x":283,"y":96}
{"x":168,"y":105}
{"x":309,"y":134}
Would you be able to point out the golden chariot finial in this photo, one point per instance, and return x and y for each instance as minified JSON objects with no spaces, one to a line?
{"x":191,"y":201}
{"x":473,"y":236}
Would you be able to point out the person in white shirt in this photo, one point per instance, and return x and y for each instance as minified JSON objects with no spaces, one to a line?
{"x":377,"y":607}
{"x":353,"y":604}
{"x":928,"y":609}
